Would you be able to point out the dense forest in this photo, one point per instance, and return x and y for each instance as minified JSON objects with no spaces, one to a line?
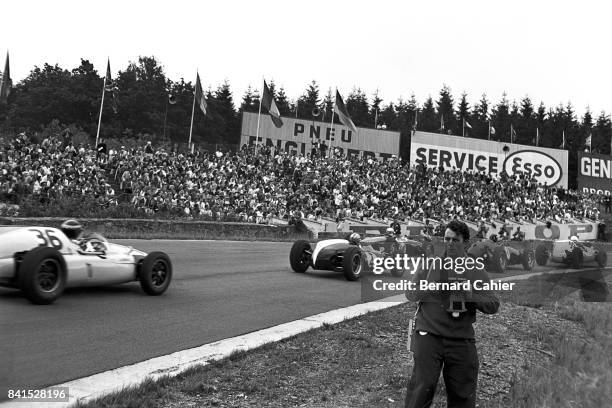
{"x":144,"y":101}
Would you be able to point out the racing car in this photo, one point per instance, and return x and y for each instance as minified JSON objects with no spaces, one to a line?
{"x":571,"y":252}
{"x":43,"y":261}
{"x":353,"y":255}
{"x":498,"y":255}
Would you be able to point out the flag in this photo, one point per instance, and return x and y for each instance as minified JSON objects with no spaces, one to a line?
{"x":5,"y":82}
{"x":467,"y":124}
{"x":267,"y":102}
{"x":492,"y":130}
{"x":199,"y":95}
{"x":512,"y":134}
{"x":442,"y":122}
{"x":537,"y":137}
{"x":110,"y":87}
{"x":416,"y":114}
{"x":340,"y":109}
{"x":588,"y":140}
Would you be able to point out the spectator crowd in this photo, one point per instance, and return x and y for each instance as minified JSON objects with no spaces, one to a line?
{"x":257,"y":184}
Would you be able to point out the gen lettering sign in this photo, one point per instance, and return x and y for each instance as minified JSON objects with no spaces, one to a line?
{"x":595,"y":173}
{"x":548,"y":166}
{"x":299,"y":136}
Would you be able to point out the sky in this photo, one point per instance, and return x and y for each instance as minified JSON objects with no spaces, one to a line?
{"x":552,"y":51}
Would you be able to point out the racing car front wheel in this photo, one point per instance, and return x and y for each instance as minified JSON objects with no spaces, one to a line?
{"x":577,"y":258}
{"x":299,"y":257}
{"x":155,"y":273}
{"x":351,"y":263}
{"x":499,"y":260}
{"x":42,"y":275}
{"x":541,"y":255}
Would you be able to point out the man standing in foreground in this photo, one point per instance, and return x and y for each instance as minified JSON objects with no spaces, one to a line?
{"x":443,"y":337}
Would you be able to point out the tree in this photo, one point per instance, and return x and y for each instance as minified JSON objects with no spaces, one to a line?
{"x":247,"y":101}
{"x":375,"y":109}
{"x":480,"y":118}
{"x":602,"y":135}
{"x":500,"y":120}
{"x":446,"y":112}
{"x":283,"y":103}
{"x":308,"y":101}
{"x":525,"y":126}
{"x":428,"y":121}
{"x":463,"y":113}
{"x":358,"y":108}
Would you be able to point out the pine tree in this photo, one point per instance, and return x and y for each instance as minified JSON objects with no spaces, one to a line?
{"x":358,"y":109}
{"x":427,"y":120}
{"x":525,"y":127}
{"x":602,"y":136}
{"x":463,"y":113}
{"x":447,"y":122}
{"x":480,"y":119}
{"x":308,"y":101}
{"x":283,"y":103}
{"x":247,"y":101}
{"x":500,"y":120}
{"x":375,"y":109}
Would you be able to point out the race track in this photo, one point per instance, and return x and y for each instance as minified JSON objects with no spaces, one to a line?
{"x":220,"y":289}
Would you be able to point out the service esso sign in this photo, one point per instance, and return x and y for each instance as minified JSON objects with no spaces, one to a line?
{"x":533,"y":163}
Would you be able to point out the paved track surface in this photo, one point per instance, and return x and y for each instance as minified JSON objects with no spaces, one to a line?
{"x":220,"y":289}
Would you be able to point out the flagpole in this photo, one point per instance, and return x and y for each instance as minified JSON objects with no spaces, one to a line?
{"x":258,"y":116}
{"x":193,"y":110}
{"x":489,"y":130}
{"x":376,"y":118}
{"x":463,"y":130}
{"x":331,"y":129}
{"x":100,"y":116}
{"x":537,"y":136}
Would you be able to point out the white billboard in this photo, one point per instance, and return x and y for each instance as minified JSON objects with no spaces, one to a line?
{"x":455,"y":152}
{"x":298,"y":135}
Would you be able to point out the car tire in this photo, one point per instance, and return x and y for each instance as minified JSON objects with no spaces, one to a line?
{"x":541,"y":255}
{"x":352,"y":263}
{"x":499,"y":259}
{"x":300,"y":257}
{"x":528,"y":259}
{"x":601,"y":258}
{"x":42,"y":275}
{"x":577,"y":258}
{"x":155,"y":273}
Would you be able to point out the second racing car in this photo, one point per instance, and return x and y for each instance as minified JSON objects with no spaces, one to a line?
{"x":353,"y":255}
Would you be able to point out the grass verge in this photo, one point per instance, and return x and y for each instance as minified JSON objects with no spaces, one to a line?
{"x":545,"y":348}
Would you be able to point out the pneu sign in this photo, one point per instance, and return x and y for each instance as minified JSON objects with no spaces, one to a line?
{"x":534,"y":163}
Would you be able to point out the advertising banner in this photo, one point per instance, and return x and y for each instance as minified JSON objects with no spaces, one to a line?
{"x":455,"y":152}
{"x":299,"y":136}
{"x":595,"y":173}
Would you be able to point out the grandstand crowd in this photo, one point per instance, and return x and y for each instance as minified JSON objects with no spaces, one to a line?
{"x":257,"y":184}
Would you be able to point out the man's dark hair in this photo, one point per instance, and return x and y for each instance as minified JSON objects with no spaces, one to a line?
{"x":459,"y":228}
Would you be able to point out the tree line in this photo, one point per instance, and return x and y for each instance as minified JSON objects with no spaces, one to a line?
{"x":145,"y":101}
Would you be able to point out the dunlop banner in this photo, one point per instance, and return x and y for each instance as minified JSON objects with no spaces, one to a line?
{"x":455,"y":152}
{"x":299,"y":135}
{"x":595,"y":173}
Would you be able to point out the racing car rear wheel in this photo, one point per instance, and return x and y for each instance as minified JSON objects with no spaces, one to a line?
{"x":577,"y":258}
{"x":541,"y":255}
{"x":155,"y":273}
{"x":42,"y":275}
{"x":299,"y":257}
{"x":351,"y":263}
{"x":601,"y":258}
{"x":528,"y":260}
{"x":499,"y":259}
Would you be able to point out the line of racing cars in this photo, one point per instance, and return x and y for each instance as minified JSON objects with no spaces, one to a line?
{"x":43,"y":261}
{"x":354,"y":256}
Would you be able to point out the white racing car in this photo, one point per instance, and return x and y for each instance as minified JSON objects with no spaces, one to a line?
{"x":571,"y":252}
{"x":43,"y":261}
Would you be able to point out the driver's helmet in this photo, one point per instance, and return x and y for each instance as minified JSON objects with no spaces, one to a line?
{"x":389,"y":232}
{"x":355,"y":238}
{"x":72,"y":228}
{"x":574,"y":238}
{"x":493,"y":238}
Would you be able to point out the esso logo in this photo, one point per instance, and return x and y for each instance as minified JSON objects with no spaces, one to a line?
{"x":534,"y":164}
